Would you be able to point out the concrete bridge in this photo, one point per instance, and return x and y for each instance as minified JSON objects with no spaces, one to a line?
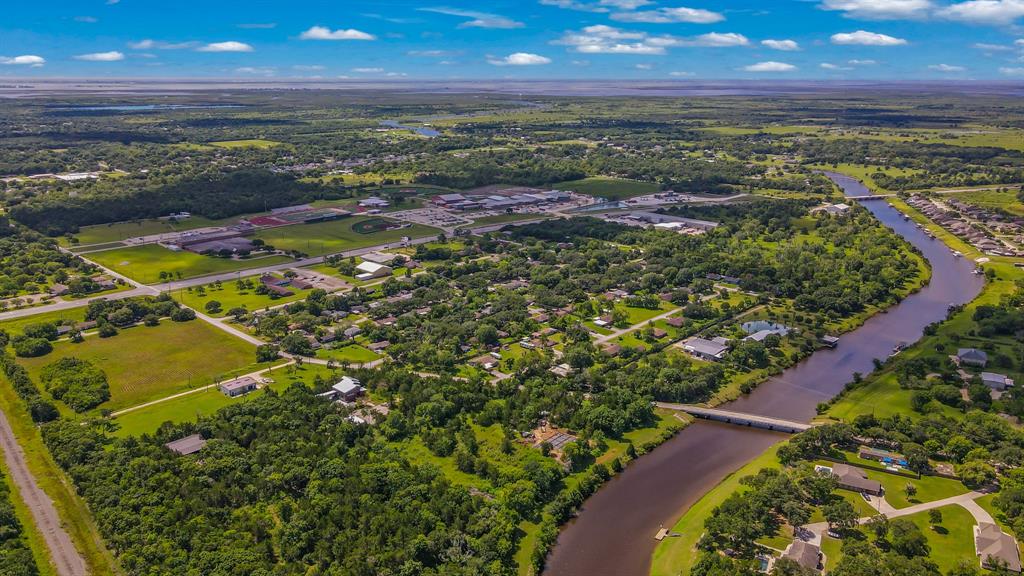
{"x":739,"y":418}
{"x":871,"y":197}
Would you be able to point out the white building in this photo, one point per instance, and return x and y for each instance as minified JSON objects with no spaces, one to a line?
{"x":371,"y":270}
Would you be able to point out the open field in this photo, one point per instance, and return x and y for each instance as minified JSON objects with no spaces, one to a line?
{"x":145,"y":263}
{"x":610,"y":188}
{"x":230,"y":296}
{"x":337,"y":236}
{"x":191,"y":407}
{"x":16,"y":325}
{"x":993,"y":199}
{"x":144,"y":363}
{"x":352,"y":353}
{"x":108,"y":233}
{"x":253,"y":143}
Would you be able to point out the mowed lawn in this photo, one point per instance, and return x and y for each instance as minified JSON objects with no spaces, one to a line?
{"x":191,"y":407}
{"x":17,"y":325}
{"x":610,"y":188}
{"x":145,"y":363}
{"x":254,"y":143}
{"x":106,"y":233}
{"x":145,"y":263}
{"x":336,"y":236}
{"x":230,"y":297}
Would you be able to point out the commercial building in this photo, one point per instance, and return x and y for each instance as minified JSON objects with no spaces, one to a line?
{"x":371,"y":270}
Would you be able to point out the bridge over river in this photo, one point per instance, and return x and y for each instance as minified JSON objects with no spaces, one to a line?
{"x":739,"y":418}
{"x":613,"y":533}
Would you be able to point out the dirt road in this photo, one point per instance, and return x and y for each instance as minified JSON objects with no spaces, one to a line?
{"x":62,"y":551}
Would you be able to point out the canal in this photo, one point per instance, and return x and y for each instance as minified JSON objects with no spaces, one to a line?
{"x":613,"y":535}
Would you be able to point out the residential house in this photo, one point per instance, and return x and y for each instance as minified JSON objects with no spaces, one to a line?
{"x":347,"y":389}
{"x":854,"y":479}
{"x":971,"y":357}
{"x":187,"y":445}
{"x":378,"y":346}
{"x":675,"y":321}
{"x":996,"y":381}
{"x":804,"y":553}
{"x":612,"y":350}
{"x":238,"y":386}
{"x":352,"y":331}
{"x":710,"y":350}
{"x":995,"y":547}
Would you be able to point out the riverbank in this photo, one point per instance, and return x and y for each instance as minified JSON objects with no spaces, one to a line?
{"x":614,"y":533}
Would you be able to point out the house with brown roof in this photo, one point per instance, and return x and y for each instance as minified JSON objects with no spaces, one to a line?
{"x":996,"y":548}
{"x":804,"y":553}
{"x":853,"y":478}
{"x":675,"y":321}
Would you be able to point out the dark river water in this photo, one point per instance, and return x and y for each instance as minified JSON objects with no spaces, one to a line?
{"x":614,"y":532}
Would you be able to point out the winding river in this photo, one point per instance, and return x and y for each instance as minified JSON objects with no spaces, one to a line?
{"x":613,"y":535}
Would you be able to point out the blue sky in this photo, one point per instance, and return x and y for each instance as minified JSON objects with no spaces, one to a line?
{"x":420,"y":39}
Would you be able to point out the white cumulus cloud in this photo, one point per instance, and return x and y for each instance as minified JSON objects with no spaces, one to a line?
{"x":520,"y":59}
{"x":831,"y":66}
{"x":770,"y":67}
{"x":784,"y":45}
{"x":229,"y":46}
{"x":112,"y":56}
{"x":324,"y":33}
{"x":946,"y":68}
{"x":880,"y":9}
{"x":716,"y":40}
{"x":670,"y":16}
{"x":23,"y":60}
{"x":1012,"y":71}
{"x":477,"y":19}
{"x":865,"y":38}
{"x":995,"y":12}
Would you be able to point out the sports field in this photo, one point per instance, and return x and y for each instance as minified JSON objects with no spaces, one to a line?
{"x":144,"y":363}
{"x":144,"y":263}
{"x":337,"y":236}
{"x":609,"y":188}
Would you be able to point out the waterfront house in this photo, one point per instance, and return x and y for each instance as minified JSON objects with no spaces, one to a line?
{"x":710,"y":350}
{"x":971,"y":357}
{"x":854,"y":479}
{"x":996,"y":381}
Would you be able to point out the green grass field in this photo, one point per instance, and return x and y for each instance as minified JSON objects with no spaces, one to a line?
{"x":145,"y":363}
{"x":992,"y":199}
{"x":107,"y":233}
{"x":145,"y":263}
{"x":16,"y":325}
{"x":231,"y":297}
{"x":74,"y":514}
{"x":191,"y":407}
{"x":337,"y":236}
{"x":953,"y":540}
{"x":610,"y":188}
{"x":253,"y":143}
{"x":352,"y":353}
{"x":675,"y":556}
